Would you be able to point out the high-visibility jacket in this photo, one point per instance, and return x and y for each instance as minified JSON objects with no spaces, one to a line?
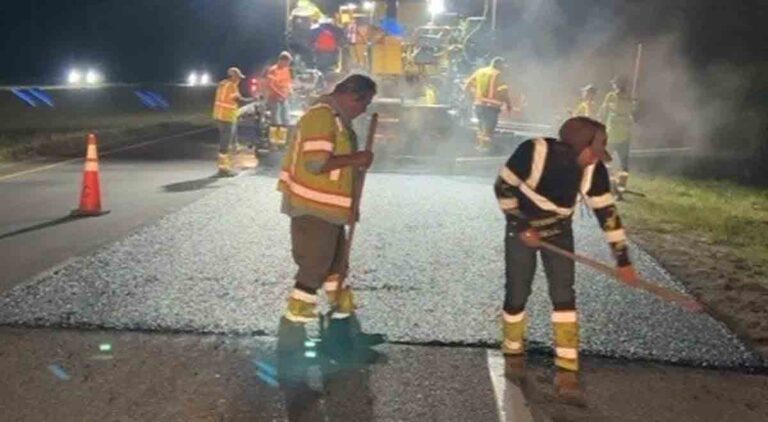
{"x":586,"y":108}
{"x":617,"y":112}
{"x":225,"y":102}
{"x":320,"y":135}
{"x":279,"y":82}
{"x":490,"y":89}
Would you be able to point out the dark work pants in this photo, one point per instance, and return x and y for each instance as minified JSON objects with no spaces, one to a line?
{"x":521,"y":267}
{"x":318,"y":250}
{"x":487,"y":118}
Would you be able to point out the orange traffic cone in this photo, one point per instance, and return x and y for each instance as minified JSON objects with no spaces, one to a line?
{"x":90,"y":196}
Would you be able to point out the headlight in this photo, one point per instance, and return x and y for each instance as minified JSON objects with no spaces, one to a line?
{"x":74,"y":77}
{"x":192,"y":79}
{"x":205,"y":79}
{"x":92,"y":77}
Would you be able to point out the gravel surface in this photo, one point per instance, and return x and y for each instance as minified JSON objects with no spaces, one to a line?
{"x":427,"y":264}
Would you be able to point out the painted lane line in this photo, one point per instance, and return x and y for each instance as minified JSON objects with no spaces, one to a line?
{"x":510,"y":402}
{"x":112,"y":151}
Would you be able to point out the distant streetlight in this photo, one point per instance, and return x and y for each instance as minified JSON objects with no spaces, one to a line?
{"x":436,"y":7}
{"x":74,"y":77}
{"x":92,"y":77}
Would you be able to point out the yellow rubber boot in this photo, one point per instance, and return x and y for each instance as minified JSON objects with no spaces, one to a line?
{"x":343,"y":301}
{"x":224,"y":165}
{"x":566,"y":328}
{"x":513,"y":331}
{"x":302,"y":307}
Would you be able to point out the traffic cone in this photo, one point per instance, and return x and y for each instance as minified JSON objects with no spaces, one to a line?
{"x":90,"y":196}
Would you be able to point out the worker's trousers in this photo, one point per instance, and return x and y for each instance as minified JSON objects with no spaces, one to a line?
{"x":279,"y":113}
{"x":318,"y":250}
{"x":227,"y":135}
{"x":621,"y":150}
{"x":520,"y":271}
{"x":487,"y":119}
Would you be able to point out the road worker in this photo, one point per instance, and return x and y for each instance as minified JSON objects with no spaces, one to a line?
{"x":537,"y":191}
{"x":587,"y":106}
{"x":617,"y":113}
{"x":279,"y":87}
{"x":225,"y":106}
{"x":490,"y":94}
{"x":317,"y":180}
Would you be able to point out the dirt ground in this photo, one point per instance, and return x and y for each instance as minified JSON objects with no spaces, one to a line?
{"x":733,"y":291}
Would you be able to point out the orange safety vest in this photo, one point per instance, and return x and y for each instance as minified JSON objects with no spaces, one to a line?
{"x":489,"y":89}
{"x":225,"y":102}
{"x":279,"y":82}
{"x":324,"y":195}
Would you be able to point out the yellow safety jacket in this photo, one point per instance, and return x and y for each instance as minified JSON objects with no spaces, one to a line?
{"x":587,"y":108}
{"x":320,"y":135}
{"x":490,"y":90}
{"x":617,"y":112}
{"x":225,"y":102}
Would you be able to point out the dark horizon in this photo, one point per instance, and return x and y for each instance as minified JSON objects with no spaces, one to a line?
{"x":162,"y":41}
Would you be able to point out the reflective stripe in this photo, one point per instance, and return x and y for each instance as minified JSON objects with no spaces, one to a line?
{"x":509,"y":176}
{"x":540,"y":148}
{"x":513,"y":318}
{"x":508,"y":204}
{"x":91,"y":165}
{"x":225,"y":105}
{"x":317,"y":146}
{"x":297,"y":318}
{"x":330,"y":286}
{"x":303,"y":296}
{"x":567,"y":353}
{"x":314,"y":195}
{"x":340,"y":315}
{"x":542,"y":202}
{"x":586,"y":179}
{"x":616,"y":236}
{"x":514,"y":346}
{"x":335,"y":174}
{"x":90,"y":152}
{"x":564,"y":316}
{"x":489,"y":101}
{"x":602,"y":201}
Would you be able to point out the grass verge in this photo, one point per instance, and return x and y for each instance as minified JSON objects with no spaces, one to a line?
{"x":712,"y":236}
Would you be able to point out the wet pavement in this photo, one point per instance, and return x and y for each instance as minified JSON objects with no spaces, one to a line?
{"x":427,"y":265}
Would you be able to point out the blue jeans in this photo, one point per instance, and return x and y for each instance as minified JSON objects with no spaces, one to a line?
{"x":279,"y":112}
{"x":227,"y":135}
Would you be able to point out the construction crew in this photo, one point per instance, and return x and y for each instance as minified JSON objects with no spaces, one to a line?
{"x":225,"y":114}
{"x":587,"y":106}
{"x":537,"y":191}
{"x":317,"y":179}
{"x":490,"y":94}
{"x":279,"y":87}
{"x":617,"y":114}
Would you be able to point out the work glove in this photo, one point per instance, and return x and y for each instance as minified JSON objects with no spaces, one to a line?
{"x":628,"y":275}
{"x":530,"y":237}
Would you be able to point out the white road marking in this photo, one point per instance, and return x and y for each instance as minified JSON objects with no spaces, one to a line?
{"x":72,"y":160}
{"x":510,"y":402}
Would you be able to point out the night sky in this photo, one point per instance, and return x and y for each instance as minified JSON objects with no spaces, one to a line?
{"x":162,"y":40}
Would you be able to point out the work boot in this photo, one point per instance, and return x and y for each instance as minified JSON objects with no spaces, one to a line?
{"x":224,"y":166}
{"x":513,"y":334}
{"x":566,"y":330}
{"x":342,"y":302}
{"x":302,"y":307}
{"x":568,"y":389}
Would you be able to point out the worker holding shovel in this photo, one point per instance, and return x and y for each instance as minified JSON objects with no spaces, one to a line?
{"x":537,"y":191}
{"x":321,"y":180}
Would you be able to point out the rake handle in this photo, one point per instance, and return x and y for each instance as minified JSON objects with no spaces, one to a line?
{"x":661,"y":292}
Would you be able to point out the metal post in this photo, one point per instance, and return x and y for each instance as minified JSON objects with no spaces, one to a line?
{"x":493,"y":15}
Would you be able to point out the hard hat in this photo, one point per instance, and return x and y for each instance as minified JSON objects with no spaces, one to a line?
{"x":234,"y":71}
{"x":581,"y":132}
{"x":285,"y":56}
{"x":588,"y":87}
{"x":620,"y":81}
